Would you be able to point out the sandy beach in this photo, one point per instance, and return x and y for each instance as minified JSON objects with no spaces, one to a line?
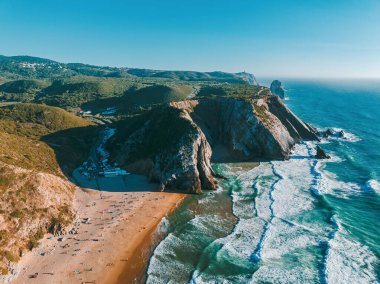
{"x":109,"y":241}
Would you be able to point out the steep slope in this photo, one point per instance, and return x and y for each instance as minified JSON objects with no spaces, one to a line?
{"x":35,"y":195}
{"x":168,"y":147}
{"x":52,"y":118}
{"x":250,"y":128}
{"x":173,"y":144}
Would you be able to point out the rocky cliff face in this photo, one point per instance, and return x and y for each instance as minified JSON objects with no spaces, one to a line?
{"x":222,"y":129}
{"x":168,"y":147}
{"x":246,"y":129}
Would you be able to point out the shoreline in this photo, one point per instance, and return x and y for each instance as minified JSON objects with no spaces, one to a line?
{"x":115,"y":233}
{"x":141,"y":254}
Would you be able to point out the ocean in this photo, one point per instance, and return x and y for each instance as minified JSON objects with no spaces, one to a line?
{"x":297,"y":221}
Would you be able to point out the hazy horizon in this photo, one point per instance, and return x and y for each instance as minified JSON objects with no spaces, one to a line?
{"x":267,"y":38}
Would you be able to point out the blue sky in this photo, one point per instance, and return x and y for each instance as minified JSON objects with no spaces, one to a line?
{"x":276,"y":38}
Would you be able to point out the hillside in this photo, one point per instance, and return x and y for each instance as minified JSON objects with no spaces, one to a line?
{"x":170,"y":126}
{"x":38,"y":144}
{"x":52,"y":118}
{"x":34,"y":67}
{"x":96,"y":88}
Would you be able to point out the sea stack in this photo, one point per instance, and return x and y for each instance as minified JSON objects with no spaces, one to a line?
{"x":321,"y":154}
{"x":277,"y":89}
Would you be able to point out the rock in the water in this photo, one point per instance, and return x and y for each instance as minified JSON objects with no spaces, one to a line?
{"x":342,"y":134}
{"x":328,"y":133}
{"x":277,"y":89}
{"x":321,"y":154}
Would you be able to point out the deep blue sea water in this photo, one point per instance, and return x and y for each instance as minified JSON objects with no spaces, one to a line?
{"x":297,"y":221}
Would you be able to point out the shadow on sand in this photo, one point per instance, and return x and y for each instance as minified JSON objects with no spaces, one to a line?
{"x":74,"y":146}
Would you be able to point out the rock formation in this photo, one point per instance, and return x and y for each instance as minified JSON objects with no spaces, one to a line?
{"x":277,"y":89}
{"x":321,"y":154}
{"x":222,"y":129}
{"x":328,"y":132}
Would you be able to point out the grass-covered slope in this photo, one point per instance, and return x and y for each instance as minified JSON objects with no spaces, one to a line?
{"x":158,"y":94}
{"x":75,"y":91}
{"x":38,"y":144}
{"x":34,"y":67}
{"x":44,"y":138}
{"x":23,"y":86}
{"x":52,"y":118}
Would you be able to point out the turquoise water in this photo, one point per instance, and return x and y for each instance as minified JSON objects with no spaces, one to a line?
{"x":295,"y":221}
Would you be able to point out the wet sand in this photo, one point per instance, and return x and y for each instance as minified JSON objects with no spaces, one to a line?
{"x":112,"y":237}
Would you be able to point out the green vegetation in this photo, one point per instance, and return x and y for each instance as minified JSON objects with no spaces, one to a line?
{"x":21,"y":90}
{"x":44,"y":138}
{"x":91,"y":87}
{"x":38,"y":135}
{"x":157,"y":94}
{"x":16,"y":214}
{"x":34,"y":238}
{"x":34,"y":67}
{"x":9,"y":256}
{"x":52,"y":118}
{"x":230,"y":90}
{"x":160,"y":128}
{"x":75,"y":91}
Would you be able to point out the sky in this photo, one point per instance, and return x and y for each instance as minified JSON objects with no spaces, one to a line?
{"x":270,"y":38}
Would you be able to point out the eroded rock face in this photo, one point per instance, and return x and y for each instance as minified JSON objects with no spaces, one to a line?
{"x":277,"y":89}
{"x":247,"y":129}
{"x":222,"y":129}
{"x":179,"y":160}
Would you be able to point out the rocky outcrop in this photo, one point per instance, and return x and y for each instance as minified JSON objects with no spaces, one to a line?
{"x":277,"y":89}
{"x":169,"y":148}
{"x":328,"y":132}
{"x":321,"y":154}
{"x":248,"y":129}
{"x":193,"y":132}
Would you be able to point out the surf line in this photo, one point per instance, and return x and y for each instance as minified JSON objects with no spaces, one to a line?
{"x":256,"y":255}
{"x":325,"y":245}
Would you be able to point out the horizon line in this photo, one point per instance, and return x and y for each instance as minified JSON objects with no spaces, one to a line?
{"x":257,"y":75}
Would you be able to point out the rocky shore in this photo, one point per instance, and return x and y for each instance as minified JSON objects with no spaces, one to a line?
{"x":244,"y":129}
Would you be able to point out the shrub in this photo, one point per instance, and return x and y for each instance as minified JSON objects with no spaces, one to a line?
{"x":33,"y":239}
{"x":16,"y":214}
{"x":3,"y":271}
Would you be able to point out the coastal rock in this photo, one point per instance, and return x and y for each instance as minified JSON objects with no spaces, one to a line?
{"x":328,"y":132}
{"x":250,"y":128}
{"x":169,"y":148}
{"x":277,"y":89}
{"x":321,"y":154}
{"x":174,"y":145}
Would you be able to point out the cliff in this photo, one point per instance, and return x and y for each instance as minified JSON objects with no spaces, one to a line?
{"x":174,"y":145}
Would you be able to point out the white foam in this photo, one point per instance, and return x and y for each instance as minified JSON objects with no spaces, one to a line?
{"x":373,"y":185}
{"x":163,"y":227}
{"x":348,"y":136}
{"x":279,"y":220}
{"x":349,"y":261}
